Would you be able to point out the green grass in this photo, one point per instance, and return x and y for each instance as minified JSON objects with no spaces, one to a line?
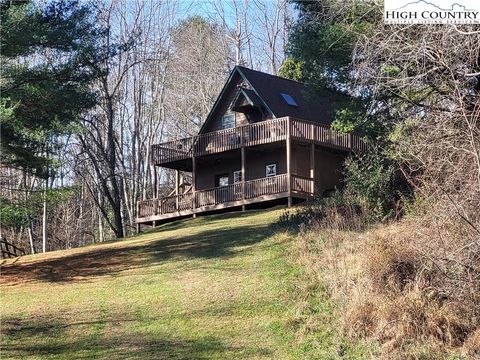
{"x":211,"y":287}
{"x":216,"y":287}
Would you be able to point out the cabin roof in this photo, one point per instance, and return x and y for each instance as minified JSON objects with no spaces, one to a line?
{"x":249,"y":96}
{"x":276,"y":93}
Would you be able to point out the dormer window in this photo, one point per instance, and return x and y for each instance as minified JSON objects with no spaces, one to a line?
{"x":228,"y":121}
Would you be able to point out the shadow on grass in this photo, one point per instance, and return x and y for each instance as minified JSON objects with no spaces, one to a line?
{"x":216,"y":243}
{"x":44,"y":339}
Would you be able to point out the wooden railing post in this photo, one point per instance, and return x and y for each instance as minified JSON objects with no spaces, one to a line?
{"x":154,"y":182}
{"x":243,"y":174}
{"x":289,"y":161}
{"x":194,"y":178}
{"x":312,"y":166}
{"x":177,"y":184}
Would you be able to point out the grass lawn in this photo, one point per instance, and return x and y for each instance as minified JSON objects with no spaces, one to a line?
{"x":212,"y":287}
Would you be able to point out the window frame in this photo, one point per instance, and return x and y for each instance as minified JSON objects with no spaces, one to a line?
{"x":218,"y":180}
{"x":239,"y":180}
{"x":274,"y":165}
{"x":228,"y":115}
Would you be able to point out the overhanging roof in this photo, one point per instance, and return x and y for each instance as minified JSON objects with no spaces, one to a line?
{"x":246,"y":96}
{"x":266,"y":89}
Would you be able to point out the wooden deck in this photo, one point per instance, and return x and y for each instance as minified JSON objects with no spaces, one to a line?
{"x":251,"y":135}
{"x":182,"y":155}
{"x":244,"y":193}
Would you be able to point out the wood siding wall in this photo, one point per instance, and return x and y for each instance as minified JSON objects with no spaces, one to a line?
{"x":255,"y":163}
{"x":215,"y":122}
{"x":328,"y":166}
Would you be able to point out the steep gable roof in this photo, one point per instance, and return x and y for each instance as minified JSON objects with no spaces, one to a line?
{"x":268,"y":89}
{"x":248,"y":96}
{"x":314,"y":106}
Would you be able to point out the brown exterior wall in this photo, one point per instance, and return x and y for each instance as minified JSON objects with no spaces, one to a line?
{"x":328,"y":170}
{"x":255,"y":163}
{"x":206,"y":172}
{"x":257,"y":160}
{"x":328,"y":166}
{"x":215,"y":123}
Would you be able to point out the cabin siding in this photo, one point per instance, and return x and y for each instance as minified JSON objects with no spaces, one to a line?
{"x":257,"y":160}
{"x":206,"y":172}
{"x":328,"y":170}
{"x":328,"y":167}
{"x":255,"y":164}
{"x":215,"y":122}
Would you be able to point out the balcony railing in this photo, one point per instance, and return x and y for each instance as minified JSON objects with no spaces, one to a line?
{"x":234,"y":195}
{"x":264,"y":132}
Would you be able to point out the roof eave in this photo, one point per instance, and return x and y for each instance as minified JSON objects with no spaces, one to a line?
{"x":220,"y":96}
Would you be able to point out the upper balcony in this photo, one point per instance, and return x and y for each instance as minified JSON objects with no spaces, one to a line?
{"x":169,"y":154}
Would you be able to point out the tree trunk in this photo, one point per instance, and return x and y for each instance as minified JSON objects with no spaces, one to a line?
{"x":44,"y":218}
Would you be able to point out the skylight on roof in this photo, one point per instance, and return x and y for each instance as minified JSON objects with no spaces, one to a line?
{"x":289,"y":99}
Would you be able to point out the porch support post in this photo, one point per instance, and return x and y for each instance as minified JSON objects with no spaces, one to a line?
{"x":137,"y":225}
{"x":154,"y":182}
{"x":289,"y":165}
{"x":312,"y":166}
{"x":194,"y":185}
{"x":243,"y":176}
{"x":177,"y":181}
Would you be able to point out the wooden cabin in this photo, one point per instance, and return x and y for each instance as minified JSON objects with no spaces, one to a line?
{"x":266,"y":141}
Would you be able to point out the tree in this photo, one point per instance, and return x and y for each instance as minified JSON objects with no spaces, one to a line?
{"x":322,"y":48}
{"x":47,"y":56}
{"x":46,"y":77}
{"x":324,"y":38}
{"x":114,"y":148}
{"x":198,"y":67}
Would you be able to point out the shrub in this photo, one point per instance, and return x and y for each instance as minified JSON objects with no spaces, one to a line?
{"x":369,"y":180}
{"x":336,"y":212}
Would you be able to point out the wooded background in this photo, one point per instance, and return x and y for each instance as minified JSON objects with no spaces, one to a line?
{"x":156,"y":69}
{"x":87,"y":88}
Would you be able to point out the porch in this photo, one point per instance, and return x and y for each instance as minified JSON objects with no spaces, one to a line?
{"x":283,"y":158}
{"x":178,"y":154}
{"x":222,"y":197}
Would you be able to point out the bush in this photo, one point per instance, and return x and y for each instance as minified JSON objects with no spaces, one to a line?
{"x":369,"y":181}
{"x":337,"y":212}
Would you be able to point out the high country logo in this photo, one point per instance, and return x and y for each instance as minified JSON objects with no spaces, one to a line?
{"x":432,"y":12}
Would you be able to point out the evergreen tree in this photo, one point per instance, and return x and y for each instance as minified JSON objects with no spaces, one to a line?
{"x":47,"y":55}
{"x":323,"y":41}
{"x":320,"y":50}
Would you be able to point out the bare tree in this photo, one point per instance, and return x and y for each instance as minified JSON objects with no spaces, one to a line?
{"x":257,"y":30}
{"x":197,"y":71}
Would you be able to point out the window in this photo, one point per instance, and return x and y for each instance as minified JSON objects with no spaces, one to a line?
{"x":234,"y":139}
{"x":228,"y":121}
{"x":221,"y":180}
{"x":237,"y":176}
{"x":289,"y":99}
{"x":271,"y":170}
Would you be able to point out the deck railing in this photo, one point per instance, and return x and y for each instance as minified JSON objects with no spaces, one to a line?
{"x":224,"y":194}
{"x":302,"y":184}
{"x":263,"y":132}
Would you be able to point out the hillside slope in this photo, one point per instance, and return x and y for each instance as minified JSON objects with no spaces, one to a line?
{"x":211,"y":287}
